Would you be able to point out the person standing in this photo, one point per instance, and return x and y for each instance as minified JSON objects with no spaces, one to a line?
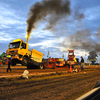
{"x":82,"y":63}
{"x":9,"y":63}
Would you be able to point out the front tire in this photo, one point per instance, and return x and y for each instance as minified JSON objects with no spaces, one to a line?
{"x":25,"y":61}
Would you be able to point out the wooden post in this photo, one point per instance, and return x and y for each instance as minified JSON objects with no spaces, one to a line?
{"x":89,"y":63}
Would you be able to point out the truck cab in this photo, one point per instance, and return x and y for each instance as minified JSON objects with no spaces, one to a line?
{"x":17,"y":49}
{"x":71,"y":59}
{"x":71,"y":55}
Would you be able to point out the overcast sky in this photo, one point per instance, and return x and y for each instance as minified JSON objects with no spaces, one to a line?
{"x":78,"y":29}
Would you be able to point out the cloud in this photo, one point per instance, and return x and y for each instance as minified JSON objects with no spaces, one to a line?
{"x":11,"y":24}
{"x":44,"y":44}
{"x":8,"y":17}
{"x":81,"y":39}
{"x":3,"y":47}
{"x":97,"y":35}
{"x":5,"y":37}
{"x":39,"y":33}
{"x":92,"y":13}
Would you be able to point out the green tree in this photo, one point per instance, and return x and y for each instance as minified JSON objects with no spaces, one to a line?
{"x":92,"y":57}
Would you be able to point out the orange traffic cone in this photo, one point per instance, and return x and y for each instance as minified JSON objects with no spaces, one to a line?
{"x":70,"y":69}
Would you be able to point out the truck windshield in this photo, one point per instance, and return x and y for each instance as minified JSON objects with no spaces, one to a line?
{"x":14,"y":45}
{"x":71,"y":53}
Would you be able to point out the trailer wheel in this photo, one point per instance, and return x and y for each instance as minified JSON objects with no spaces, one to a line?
{"x":24,"y":61}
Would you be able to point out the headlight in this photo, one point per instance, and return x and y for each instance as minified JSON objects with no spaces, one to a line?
{"x":16,"y":55}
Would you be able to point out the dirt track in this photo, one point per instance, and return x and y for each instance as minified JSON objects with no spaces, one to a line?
{"x":18,"y":70}
{"x":53,"y":87}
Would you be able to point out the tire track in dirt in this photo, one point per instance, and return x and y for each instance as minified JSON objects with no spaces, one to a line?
{"x":11,"y":87}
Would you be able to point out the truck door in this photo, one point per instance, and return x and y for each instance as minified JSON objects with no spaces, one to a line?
{"x":23,"y":48}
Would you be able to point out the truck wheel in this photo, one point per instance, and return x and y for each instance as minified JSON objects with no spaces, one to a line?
{"x":24,"y":61}
{"x":41,"y":67}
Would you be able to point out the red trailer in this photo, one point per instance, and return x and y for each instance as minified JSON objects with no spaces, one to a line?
{"x":55,"y":63}
{"x":50,"y":63}
{"x":58,"y":63}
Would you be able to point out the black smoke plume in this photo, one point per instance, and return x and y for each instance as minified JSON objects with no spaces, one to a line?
{"x":78,"y":15}
{"x":56,"y":9}
{"x":83,"y":39}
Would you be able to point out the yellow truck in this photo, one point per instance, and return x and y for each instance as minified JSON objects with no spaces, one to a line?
{"x":18,"y":49}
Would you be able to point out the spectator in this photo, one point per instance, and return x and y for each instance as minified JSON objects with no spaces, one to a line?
{"x":9,"y":63}
{"x":82,"y":63}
